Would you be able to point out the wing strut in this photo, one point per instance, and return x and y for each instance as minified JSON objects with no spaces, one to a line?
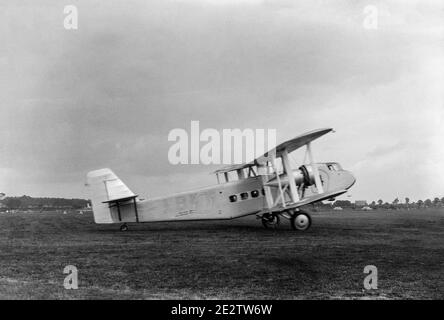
{"x":318,"y":182}
{"x":281,"y":192}
{"x":263,"y":171}
{"x":289,"y":172}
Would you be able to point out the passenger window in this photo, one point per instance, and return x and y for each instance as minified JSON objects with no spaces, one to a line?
{"x":255,"y":193}
{"x":244,"y":195}
{"x":233,"y":198}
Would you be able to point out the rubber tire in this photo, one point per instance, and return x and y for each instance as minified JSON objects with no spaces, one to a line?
{"x":266,"y":223}
{"x":293,"y":221}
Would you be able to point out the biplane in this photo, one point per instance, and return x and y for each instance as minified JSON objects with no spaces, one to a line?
{"x":269,"y":187}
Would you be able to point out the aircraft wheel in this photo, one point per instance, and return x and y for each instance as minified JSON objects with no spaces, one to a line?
{"x":270,"y":221}
{"x":300,"y":221}
{"x":124,"y":227}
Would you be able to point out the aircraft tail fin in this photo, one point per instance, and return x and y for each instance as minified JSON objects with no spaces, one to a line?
{"x":105,"y":189}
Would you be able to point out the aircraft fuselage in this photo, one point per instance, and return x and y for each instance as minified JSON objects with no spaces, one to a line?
{"x":222,"y":201}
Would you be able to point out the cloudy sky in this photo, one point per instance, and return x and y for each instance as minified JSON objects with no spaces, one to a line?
{"x":108,"y":94}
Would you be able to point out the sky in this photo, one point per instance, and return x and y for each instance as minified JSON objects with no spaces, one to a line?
{"x":108,"y":93}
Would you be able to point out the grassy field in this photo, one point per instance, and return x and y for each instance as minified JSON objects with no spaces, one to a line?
{"x":235,"y":259}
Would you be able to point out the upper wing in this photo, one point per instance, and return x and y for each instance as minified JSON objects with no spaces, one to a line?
{"x":289,"y":145}
{"x":300,"y":141}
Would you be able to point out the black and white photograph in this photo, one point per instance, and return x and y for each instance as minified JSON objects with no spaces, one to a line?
{"x":243,"y":151}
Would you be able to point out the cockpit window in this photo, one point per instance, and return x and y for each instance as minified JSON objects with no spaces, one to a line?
{"x":334,"y":167}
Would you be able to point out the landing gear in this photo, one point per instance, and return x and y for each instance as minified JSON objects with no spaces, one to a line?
{"x":300,"y":221}
{"x":270,"y":221}
{"x":124,"y":227}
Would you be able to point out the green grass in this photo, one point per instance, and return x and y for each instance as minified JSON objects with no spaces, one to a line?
{"x":235,"y":259}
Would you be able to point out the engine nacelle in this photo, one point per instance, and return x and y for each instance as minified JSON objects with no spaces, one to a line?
{"x":304,"y":175}
{"x":307,"y":172}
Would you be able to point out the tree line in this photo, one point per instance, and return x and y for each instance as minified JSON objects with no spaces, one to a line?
{"x":27,"y":203}
{"x":395,"y":204}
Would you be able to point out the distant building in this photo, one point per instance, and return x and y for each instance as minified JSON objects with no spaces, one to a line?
{"x":361,"y":203}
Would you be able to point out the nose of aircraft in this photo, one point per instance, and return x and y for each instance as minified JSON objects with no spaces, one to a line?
{"x":349,"y":179}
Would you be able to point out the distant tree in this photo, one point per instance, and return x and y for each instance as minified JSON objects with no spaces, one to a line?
{"x":420,"y":203}
{"x":407,"y":201}
{"x":436,"y":202}
{"x":395,"y":203}
{"x":380,"y":202}
{"x":373,"y":204}
{"x":428,"y":203}
{"x":442,"y":200}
